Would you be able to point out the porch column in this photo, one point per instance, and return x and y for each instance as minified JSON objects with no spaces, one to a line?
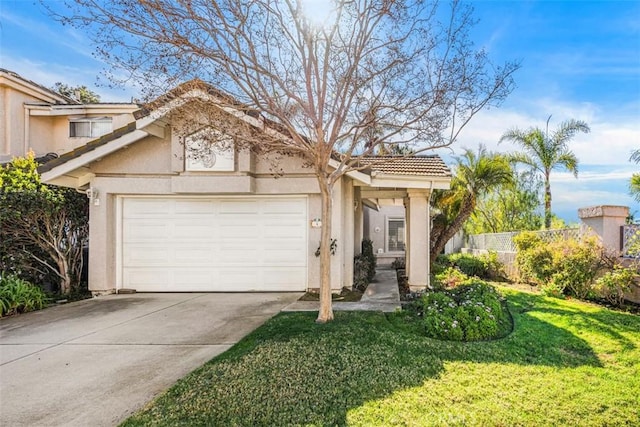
{"x":349,"y":247}
{"x":418,"y":231}
{"x":357,"y":221}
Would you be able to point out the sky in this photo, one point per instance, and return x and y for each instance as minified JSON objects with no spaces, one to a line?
{"x":580,"y":60}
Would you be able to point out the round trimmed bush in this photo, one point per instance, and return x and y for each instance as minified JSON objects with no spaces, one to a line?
{"x":472,"y":311}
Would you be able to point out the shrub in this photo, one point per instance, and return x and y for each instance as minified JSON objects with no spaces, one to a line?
{"x":613,"y":285}
{"x":472,"y":311}
{"x":449,"y":278}
{"x":19,"y":296}
{"x":533,"y":258}
{"x":562,"y":267}
{"x":553,"y":289}
{"x":43,"y":229}
{"x":485,"y":266}
{"x":364,"y":267}
{"x":494,"y":268}
{"x":469,"y":264}
{"x":399,"y":264}
{"x":367,"y":253}
{"x":360,"y":273}
{"x":576,"y":265}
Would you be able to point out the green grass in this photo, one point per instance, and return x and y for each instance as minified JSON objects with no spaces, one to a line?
{"x":566,"y":363}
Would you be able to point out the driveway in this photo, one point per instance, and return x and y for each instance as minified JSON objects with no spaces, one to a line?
{"x":96,"y":362}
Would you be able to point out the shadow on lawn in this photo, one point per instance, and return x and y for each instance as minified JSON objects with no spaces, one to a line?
{"x":292,"y":371}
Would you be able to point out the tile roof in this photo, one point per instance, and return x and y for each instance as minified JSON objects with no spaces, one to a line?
{"x":418,"y":165}
{"x":89,"y":146}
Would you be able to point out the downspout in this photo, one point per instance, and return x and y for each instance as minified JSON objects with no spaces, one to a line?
{"x":25,"y":143}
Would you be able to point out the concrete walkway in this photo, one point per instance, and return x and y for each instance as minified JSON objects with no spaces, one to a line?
{"x":381,"y":295}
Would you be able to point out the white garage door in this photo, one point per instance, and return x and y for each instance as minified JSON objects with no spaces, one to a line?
{"x":221,"y":245}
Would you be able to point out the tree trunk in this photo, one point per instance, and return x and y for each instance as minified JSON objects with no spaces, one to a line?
{"x":547,"y":202}
{"x":65,"y":277}
{"x":468,"y":205}
{"x":325,"y":314}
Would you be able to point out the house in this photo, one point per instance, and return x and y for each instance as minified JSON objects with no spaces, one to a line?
{"x":35,"y":118}
{"x":162,"y":220}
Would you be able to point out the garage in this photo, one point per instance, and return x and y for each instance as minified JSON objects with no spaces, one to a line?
{"x":175,"y":244}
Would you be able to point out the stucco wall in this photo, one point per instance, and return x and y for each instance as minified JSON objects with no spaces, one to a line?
{"x":148,"y":167}
{"x":13,"y":122}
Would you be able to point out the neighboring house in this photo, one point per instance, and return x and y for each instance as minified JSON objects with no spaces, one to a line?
{"x":34,"y":118}
{"x":161,"y":221}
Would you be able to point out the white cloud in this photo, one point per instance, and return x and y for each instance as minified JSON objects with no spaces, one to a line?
{"x":571,"y":198}
{"x":613,"y":134}
{"x":593,"y":176}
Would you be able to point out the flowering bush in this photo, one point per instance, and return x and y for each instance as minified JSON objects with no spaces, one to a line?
{"x":472,"y":311}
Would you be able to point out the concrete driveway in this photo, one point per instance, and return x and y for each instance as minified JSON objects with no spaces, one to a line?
{"x":96,"y":362}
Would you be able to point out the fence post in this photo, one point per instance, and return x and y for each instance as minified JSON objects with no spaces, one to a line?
{"x":605,"y":221}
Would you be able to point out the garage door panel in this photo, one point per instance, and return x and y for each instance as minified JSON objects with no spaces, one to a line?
{"x":245,"y":232}
{"x":145,"y":255}
{"x":189,"y":229}
{"x":147,"y":207}
{"x":152,"y":231}
{"x":238,"y":257}
{"x":194,"y":255}
{"x":182,"y":244}
{"x":238,"y":207}
{"x":193,"y":207}
{"x":147,"y":279}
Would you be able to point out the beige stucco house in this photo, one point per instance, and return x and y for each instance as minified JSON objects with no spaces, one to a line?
{"x":35,"y":118}
{"x":162,"y":221}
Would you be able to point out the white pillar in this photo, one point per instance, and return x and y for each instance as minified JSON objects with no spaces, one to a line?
{"x":418,"y":224}
{"x":349,"y":243}
{"x":357,"y":221}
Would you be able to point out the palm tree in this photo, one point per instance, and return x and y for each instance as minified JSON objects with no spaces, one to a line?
{"x":634,"y":185}
{"x":544,"y":152}
{"x":475,"y":175}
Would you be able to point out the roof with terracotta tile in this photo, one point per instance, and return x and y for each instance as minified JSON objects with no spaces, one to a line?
{"x":420,"y":165}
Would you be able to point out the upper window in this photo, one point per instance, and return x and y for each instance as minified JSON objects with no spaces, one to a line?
{"x":90,"y":127}
{"x":395,"y":239}
{"x":209,"y":150}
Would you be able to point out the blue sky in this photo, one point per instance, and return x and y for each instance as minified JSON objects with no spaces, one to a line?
{"x":580,"y":59}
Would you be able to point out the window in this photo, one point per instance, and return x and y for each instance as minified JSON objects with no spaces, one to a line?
{"x":209,"y":150}
{"x":395,"y":239}
{"x":89,"y":127}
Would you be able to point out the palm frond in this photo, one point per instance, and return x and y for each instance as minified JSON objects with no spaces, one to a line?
{"x":634,"y":186}
{"x":568,"y":129}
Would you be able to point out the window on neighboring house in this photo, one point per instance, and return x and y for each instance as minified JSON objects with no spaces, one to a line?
{"x":395,"y":239}
{"x":91,"y":127}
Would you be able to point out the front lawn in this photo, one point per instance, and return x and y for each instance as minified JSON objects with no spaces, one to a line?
{"x":566,"y":363}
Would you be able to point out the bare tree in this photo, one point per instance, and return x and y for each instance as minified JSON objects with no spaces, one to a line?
{"x":327,"y":77}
